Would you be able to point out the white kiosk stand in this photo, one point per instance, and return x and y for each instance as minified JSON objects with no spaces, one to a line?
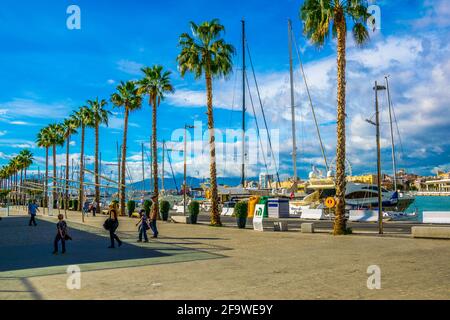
{"x":259,"y":218}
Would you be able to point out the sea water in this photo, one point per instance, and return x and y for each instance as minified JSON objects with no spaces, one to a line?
{"x":429,"y":204}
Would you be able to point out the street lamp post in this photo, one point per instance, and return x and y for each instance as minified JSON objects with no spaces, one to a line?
{"x":377,"y":124}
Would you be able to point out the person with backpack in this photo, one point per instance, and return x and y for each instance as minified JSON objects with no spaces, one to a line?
{"x":61,"y":235}
{"x":111,"y":224}
{"x":32,"y":211}
{"x":86,"y":208}
{"x":143,"y":226}
{"x":153,"y":218}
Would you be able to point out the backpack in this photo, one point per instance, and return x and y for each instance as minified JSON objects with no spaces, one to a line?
{"x":108,"y":224}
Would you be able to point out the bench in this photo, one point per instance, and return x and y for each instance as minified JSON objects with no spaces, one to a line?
{"x":280,"y":226}
{"x":431,"y":232}
{"x":181,"y":219}
{"x":307,"y":227}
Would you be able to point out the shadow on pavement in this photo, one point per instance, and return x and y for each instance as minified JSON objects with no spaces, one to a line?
{"x":24,"y":247}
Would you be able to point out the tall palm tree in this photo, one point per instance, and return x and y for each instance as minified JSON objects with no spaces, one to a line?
{"x":84,"y":118}
{"x":128,"y":97}
{"x":69,"y":127}
{"x":156,"y":83}
{"x":3,"y":177}
{"x":43,"y":141}
{"x":25,"y":158}
{"x":55,"y":132}
{"x":99,"y":116}
{"x":323,"y":19}
{"x":206,"y":53}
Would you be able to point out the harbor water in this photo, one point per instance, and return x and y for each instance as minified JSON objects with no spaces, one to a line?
{"x":429,"y":204}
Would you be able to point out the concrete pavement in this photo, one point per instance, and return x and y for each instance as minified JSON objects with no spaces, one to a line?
{"x":201,"y":262}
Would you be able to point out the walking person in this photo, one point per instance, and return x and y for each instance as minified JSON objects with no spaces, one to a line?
{"x":61,"y":235}
{"x":32,"y":211}
{"x":86,"y":208}
{"x":153,"y":218}
{"x":94,"y":208}
{"x":143,"y":226}
{"x":113,"y":225}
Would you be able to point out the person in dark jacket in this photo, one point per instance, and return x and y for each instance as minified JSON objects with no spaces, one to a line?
{"x":113,"y":227}
{"x":143,"y":226}
{"x":61,"y":235}
{"x":154,"y":217}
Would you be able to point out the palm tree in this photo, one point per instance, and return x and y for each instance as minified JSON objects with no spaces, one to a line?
{"x":55,"y":132}
{"x":69,"y":127}
{"x":25,"y":158}
{"x":99,"y":116}
{"x":206,"y":53}
{"x":323,"y":19}
{"x":156,"y":83}
{"x":3,"y":177}
{"x":84,"y":119}
{"x":127,"y":96}
{"x":43,"y":141}
{"x":15,"y":168}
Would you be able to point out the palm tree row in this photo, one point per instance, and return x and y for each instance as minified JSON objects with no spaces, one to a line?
{"x":204,"y":53}
{"x":9,"y":174}
{"x":93,"y":115}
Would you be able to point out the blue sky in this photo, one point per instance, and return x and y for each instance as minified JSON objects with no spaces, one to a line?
{"x":48,"y":71}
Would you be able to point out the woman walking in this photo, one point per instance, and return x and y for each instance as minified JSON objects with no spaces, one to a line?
{"x":114,"y":224}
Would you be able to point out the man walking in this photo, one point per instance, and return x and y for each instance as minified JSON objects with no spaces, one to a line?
{"x":32,"y":211}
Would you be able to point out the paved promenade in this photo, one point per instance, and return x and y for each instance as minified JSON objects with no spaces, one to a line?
{"x":201,"y":262}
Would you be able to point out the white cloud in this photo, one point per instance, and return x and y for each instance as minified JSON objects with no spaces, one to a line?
{"x":130,"y":67}
{"x":437,"y":13}
{"x":33,"y":109}
{"x":17,"y":143}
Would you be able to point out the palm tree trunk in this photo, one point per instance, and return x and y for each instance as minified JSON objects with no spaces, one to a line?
{"x":21,"y":187}
{"x":46,"y":180}
{"x":340,"y":221}
{"x":55,"y":195}
{"x":81,"y":190}
{"x":215,"y":216}
{"x":66,"y":195}
{"x":124,"y":163}
{"x":97,"y":187}
{"x":24,"y":181}
{"x":155,"y":206}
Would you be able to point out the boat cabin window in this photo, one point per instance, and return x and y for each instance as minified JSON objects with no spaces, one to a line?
{"x":361,"y":195}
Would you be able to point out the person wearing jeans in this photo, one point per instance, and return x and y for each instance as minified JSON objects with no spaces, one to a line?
{"x":153,"y":218}
{"x":61,"y":235}
{"x":32,"y":210}
{"x":143,"y":227}
{"x":112,"y":231}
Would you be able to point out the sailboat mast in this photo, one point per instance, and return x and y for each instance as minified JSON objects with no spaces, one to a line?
{"x":291,"y":73}
{"x":243,"y":104}
{"x":394,"y":160}
{"x":162,"y":165}
{"x":143,"y":168}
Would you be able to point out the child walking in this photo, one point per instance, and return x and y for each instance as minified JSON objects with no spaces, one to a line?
{"x":143,"y":226}
{"x":61,"y":235}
